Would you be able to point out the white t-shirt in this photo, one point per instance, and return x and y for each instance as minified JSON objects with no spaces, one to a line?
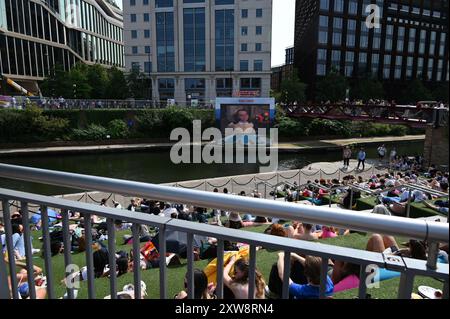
{"x":169,"y":211}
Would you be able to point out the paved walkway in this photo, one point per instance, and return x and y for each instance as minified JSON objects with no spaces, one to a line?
{"x":290,"y":147}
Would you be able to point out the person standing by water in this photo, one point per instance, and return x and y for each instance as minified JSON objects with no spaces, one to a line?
{"x":381,"y":153}
{"x":392,"y":156}
{"x":347,"y":154}
{"x":361,"y":158}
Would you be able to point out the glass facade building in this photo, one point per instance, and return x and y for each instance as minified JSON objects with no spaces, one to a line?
{"x":195,"y":47}
{"x":410,"y":42}
{"x":37,"y":35}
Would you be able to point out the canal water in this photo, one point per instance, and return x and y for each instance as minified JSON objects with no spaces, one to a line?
{"x":156,"y":167}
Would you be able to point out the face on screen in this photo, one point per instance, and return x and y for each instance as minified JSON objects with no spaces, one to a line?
{"x":243,"y":116}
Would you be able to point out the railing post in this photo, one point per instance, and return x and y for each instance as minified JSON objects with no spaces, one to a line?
{"x":220,"y":269}
{"x":362,"y":292}
{"x":433,"y":251}
{"x":286,"y":275}
{"x":89,"y":256}
{"x":162,"y":263}
{"x":351,"y":198}
{"x":112,"y":256}
{"x":406,"y":285}
{"x":4,"y":288}
{"x":190,"y":266}
{"x":136,"y":262}
{"x":9,"y":247}
{"x":67,"y":250}
{"x":408,"y":204}
{"x":28,"y":246}
{"x":323,"y":278}
{"x":251,"y":273}
{"x":47,"y":252}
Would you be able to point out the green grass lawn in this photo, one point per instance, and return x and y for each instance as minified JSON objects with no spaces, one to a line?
{"x":175,"y":274}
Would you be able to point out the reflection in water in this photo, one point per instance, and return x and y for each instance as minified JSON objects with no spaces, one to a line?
{"x":156,"y":167}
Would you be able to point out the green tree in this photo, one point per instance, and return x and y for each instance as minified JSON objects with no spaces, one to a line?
{"x":366,"y":89}
{"x":413,"y":92}
{"x":138,"y":84}
{"x":332,"y":87}
{"x":79,"y":79}
{"x":97,"y":78}
{"x":117,"y":85}
{"x":292,"y":90}
{"x":57,"y":84}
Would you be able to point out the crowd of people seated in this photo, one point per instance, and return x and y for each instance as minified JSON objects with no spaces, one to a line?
{"x":391,"y":191}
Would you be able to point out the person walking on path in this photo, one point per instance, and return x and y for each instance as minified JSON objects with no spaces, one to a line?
{"x":347,"y":154}
{"x":381,"y":153}
{"x":361,"y":158}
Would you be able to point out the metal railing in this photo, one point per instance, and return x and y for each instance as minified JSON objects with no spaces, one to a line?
{"x":432,"y":232}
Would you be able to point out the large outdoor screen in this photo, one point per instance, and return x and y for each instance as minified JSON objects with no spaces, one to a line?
{"x":244,"y":113}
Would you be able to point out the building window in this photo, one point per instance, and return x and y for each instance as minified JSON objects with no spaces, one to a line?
{"x":336,"y":59}
{"x":224,"y":87}
{"x":244,"y":31}
{"x":349,"y":60}
{"x":194,"y":40}
{"x":430,"y":69}
{"x":257,"y":65}
{"x":243,"y":65}
{"x":324,"y":5}
{"x":244,"y":47}
{"x":164,"y":3}
{"x":133,"y":18}
{"x":323,"y":37}
{"x":244,"y":13}
{"x":432,"y":48}
{"x":322,"y":56}
{"x":146,"y":34}
{"x":258,"y":30}
{"x":339,"y":5}
{"x":375,"y":63}
{"x":147,"y":67}
{"x":134,"y":50}
{"x":224,"y":2}
{"x":442,"y":44}
{"x":165,"y":44}
{"x":337,"y":31}
{"x":133,"y":34}
{"x":132,"y":2}
{"x":400,"y":39}
{"x":353,"y":7}
{"x":412,"y":40}
{"x":423,"y":36}
{"x":136,"y":66}
{"x":321,"y":69}
{"x":145,"y":2}
{"x":251,"y":83}
{"x":146,"y":17}
{"x":147,"y":49}
{"x":387,"y":67}
{"x":258,"y":47}
{"x":409,"y":67}
{"x":224,"y":40}
{"x":259,"y":13}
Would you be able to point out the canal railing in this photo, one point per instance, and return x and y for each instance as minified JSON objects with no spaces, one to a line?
{"x":432,"y":232}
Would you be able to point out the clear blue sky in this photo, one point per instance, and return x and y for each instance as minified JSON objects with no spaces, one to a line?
{"x":282,"y":28}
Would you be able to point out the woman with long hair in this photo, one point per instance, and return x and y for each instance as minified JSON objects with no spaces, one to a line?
{"x":238,"y":283}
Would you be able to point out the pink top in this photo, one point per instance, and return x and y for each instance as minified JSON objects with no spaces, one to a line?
{"x":348,"y":282}
{"x":327,"y":233}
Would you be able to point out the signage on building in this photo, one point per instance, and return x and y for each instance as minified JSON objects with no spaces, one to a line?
{"x":255,"y":93}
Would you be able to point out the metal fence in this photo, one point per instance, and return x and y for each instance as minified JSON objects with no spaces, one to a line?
{"x":432,"y":232}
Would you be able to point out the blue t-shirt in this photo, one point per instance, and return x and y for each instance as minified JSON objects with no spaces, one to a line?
{"x":310,"y":292}
{"x":362,"y":155}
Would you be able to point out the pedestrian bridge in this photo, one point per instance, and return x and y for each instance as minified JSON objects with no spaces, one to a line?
{"x":418,"y":116}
